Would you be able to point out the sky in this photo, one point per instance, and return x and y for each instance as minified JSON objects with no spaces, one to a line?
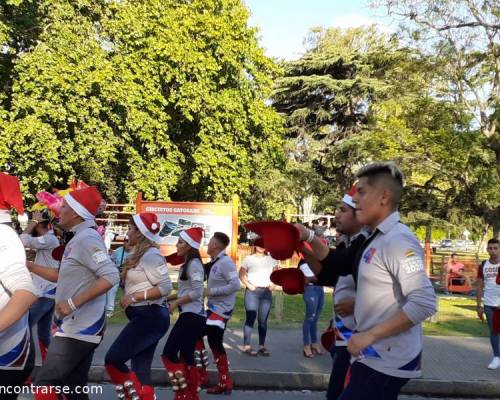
{"x":283,"y":24}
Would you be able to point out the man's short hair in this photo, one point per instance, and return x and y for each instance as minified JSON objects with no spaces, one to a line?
{"x":222,"y":238}
{"x":388,"y":172}
{"x":493,"y":241}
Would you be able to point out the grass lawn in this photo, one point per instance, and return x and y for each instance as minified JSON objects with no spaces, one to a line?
{"x":456,"y":316}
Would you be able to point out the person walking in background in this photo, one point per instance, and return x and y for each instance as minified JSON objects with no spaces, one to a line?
{"x":119,"y":256}
{"x":178,"y":353}
{"x":487,"y":286}
{"x":255,"y":274}
{"x":147,"y":283}
{"x":314,"y":299}
{"x":39,"y":236}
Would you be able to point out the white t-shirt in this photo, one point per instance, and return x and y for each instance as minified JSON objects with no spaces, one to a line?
{"x":489,"y":274}
{"x":259,"y":269}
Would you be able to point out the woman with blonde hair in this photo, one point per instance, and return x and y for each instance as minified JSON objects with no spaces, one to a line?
{"x":147,"y":283}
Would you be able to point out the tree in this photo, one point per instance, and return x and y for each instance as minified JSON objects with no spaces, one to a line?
{"x":165,"y":97}
{"x":327,"y":97}
{"x":463,"y":36}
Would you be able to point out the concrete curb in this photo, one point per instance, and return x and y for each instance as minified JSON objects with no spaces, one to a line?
{"x":274,"y":380}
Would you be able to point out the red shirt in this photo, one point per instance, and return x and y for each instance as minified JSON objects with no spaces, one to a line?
{"x":455,"y":267}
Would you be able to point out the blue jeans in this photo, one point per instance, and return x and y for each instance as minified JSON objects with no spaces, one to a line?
{"x":110,"y":299}
{"x":488,"y":310}
{"x":41,"y":316}
{"x":138,"y":340}
{"x":367,"y":384}
{"x":314,"y":299}
{"x":257,"y":306}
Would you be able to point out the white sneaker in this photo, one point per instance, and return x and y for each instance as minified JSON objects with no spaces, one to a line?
{"x":495,"y":363}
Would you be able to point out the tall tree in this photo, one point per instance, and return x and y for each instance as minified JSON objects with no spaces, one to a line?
{"x":165,"y":97}
{"x":464,"y":37}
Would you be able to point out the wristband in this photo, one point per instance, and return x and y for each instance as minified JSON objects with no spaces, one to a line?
{"x":146,"y":294}
{"x":310,"y":238}
{"x":71,"y":304}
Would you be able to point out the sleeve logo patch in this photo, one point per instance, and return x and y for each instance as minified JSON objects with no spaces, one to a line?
{"x":99,"y":256}
{"x":197,"y":277}
{"x":162,"y":269}
{"x":412,"y":264}
{"x":233,"y":275}
{"x":409,"y":253}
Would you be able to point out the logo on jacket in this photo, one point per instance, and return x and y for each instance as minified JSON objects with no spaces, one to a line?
{"x":368,"y":257}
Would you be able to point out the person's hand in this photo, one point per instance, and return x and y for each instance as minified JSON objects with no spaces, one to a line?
{"x":30,"y":265}
{"x":272,"y":287}
{"x":37,"y":216}
{"x":303,"y":231}
{"x":480,"y":313}
{"x":127,"y":300}
{"x":62,"y":309}
{"x":251,"y":287}
{"x":344,"y":308}
{"x":360,"y":341}
{"x":172,"y":306}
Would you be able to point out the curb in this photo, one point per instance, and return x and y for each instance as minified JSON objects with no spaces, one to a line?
{"x":274,"y":380}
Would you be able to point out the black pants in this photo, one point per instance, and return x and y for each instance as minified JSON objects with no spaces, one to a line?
{"x":215,"y":336}
{"x":16,"y":378}
{"x":138,"y":340}
{"x":367,"y":384}
{"x":182,"y":339}
{"x":68,"y":363}
{"x":341,"y":363}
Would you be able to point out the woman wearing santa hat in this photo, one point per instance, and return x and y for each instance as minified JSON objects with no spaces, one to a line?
{"x":17,"y":294}
{"x":86,"y":273}
{"x":146,"y":280}
{"x":40,"y":237}
{"x":178,"y":354}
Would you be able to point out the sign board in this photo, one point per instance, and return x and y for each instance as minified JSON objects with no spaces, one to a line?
{"x":177,"y":216}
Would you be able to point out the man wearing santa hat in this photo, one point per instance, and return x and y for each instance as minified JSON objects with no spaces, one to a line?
{"x":17,"y":294}
{"x":344,"y":296}
{"x":222,"y":285}
{"x":85,"y":275}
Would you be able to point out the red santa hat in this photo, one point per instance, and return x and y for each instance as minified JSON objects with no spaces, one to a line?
{"x":148,"y":225}
{"x":192,"y":236}
{"x":87,"y":203}
{"x":10,"y":198}
{"x":347,"y":199}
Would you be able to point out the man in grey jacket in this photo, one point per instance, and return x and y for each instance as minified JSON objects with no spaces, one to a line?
{"x":223,"y":284}
{"x":85,"y":275}
{"x":393,"y":292}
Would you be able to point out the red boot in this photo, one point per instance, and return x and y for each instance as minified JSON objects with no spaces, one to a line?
{"x":201,"y":362}
{"x":148,"y":393}
{"x":126,"y":382}
{"x":225,"y":385}
{"x":193,"y":382}
{"x":45,"y":393}
{"x":177,"y":374}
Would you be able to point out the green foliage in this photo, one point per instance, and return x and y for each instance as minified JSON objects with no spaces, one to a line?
{"x":164,"y":97}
